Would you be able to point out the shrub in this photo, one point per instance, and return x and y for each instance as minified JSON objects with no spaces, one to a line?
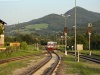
{"x":24,"y":45}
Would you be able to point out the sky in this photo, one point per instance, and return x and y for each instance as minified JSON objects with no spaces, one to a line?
{"x":19,"y":11}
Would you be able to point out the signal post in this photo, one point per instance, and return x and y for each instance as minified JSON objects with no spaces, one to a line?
{"x":65,"y":33}
{"x":89,"y":33}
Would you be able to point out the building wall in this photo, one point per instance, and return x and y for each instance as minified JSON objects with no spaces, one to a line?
{"x":2,"y":36}
{"x":2,"y":40}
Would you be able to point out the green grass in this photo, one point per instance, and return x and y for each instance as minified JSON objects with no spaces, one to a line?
{"x":37,"y":26}
{"x":87,"y":52}
{"x":80,"y":68}
{"x":6,"y":69}
{"x":30,"y":28}
{"x":97,"y":52}
{"x":26,"y":31}
{"x":20,"y":52}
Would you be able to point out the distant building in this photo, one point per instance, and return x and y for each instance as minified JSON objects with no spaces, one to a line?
{"x":2,"y":23}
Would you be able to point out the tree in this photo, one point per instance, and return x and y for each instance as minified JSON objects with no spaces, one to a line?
{"x":82,"y":40}
{"x":95,"y":41}
{"x":28,"y":38}
{"x":1,"y":31}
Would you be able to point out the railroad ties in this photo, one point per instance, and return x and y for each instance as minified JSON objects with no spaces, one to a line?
{"x":47,"y":67}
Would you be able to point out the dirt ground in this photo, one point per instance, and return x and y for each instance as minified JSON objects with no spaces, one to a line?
{"x":23,"y":70}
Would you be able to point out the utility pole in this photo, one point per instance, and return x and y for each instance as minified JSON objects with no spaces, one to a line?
{"x":75,"y":30}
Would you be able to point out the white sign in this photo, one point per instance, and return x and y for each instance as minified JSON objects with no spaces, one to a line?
{"x":79,"y":46}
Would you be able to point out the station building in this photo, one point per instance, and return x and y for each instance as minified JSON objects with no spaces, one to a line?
{"x":2,"y":28}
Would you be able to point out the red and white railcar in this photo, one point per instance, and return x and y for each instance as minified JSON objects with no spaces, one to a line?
{"x":51,"y":45}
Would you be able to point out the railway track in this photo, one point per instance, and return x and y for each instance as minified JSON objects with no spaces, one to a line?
{"x":46,"y":67}
{"x":19,"y":58}
{"x":87,"y":57}
{"x":90,"y":58}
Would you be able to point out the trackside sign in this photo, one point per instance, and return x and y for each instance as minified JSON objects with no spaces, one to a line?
{"x":79,"y":47}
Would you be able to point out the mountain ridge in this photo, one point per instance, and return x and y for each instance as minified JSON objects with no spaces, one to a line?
{"x":56,"y":22}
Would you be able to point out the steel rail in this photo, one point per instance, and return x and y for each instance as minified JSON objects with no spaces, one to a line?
{"x":18,"y":58}
{"x":41,"y":64}
{"x":87,"y":58}
{"x":51,"y":70}
{"x":48,"y":71}
{"x":90,"y":59}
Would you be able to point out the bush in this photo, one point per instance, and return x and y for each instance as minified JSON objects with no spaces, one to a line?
{"x":24,"y":45}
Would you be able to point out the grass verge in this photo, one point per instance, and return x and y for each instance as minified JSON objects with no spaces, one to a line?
{"x":83,"y":67}
{"x":8,"y":68}
{"x":30,"y":50}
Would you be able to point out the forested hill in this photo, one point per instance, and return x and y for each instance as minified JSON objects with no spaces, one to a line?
{"x":83,"y":16}
{"x":56,"y":22}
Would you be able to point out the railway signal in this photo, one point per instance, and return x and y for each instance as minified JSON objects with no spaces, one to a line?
{"x":65,"y":33}
{"x":89,"y":32}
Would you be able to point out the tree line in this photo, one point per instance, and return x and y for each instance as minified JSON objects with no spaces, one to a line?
{"x":42,"y":40}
